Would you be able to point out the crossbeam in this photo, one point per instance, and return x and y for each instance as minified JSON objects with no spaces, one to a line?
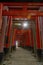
{"x":21,"y":3}
{"x":22,"y":13}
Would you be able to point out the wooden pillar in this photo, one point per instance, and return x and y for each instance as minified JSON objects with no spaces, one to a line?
{"x":14,"y":39}
{"x":7,"y":35}
{"x":10,"y":33}
{"x":38,"y":40}
{"x":1,"y":38}
{"x":1,"y":6}
{"x":38,"y":34}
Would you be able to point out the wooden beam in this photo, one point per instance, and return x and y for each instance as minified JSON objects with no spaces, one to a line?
{"x":21,"y":3}
{"x":27,"y":7}
{"x":22,"y":13}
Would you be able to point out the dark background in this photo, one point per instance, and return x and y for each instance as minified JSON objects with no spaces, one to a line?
{"x":21,"y":0}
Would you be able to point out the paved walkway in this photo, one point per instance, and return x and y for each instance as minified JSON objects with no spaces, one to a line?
{"x":21,"y":57}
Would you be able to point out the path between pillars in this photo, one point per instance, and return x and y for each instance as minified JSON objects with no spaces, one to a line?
{"x":21,"y":57}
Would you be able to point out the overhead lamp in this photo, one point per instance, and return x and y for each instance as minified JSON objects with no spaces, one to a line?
{"x":25,"y":24}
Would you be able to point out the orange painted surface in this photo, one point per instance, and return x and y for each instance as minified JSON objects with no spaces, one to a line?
{"x":1,"y":6}
{"x":8,"y":33}
{"x":1,"y":32}
{"x":32,"y":41}
{"x":38,"y":35}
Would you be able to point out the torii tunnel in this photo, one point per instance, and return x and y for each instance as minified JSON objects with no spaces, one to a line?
{"x":22,"y":23}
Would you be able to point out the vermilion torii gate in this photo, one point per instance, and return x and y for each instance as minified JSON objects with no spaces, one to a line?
{"x":20,"y":10}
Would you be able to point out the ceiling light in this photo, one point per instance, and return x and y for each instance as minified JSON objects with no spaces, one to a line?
{"x":25,"y":25}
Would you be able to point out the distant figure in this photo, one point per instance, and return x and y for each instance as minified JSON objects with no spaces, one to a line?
{"x":16,"y":44}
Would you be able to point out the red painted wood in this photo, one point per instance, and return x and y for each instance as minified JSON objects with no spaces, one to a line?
{"x":1,"y":6}
{"x":22,"y":13}
{"x":1,"y":31}
{"x":32,"y":41}
{"x":38,"y":35}
{"x":22,"y":3}
{"x":28,"y":38}
{"x":9,"y":31}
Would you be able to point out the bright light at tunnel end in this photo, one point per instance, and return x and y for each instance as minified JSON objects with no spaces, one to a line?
{"x":25,"y":25}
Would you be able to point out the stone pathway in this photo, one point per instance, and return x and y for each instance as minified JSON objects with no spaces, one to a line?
{"x":21,"y":57}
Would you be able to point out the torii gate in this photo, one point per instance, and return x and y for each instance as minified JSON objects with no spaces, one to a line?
{"x":24,"y":13}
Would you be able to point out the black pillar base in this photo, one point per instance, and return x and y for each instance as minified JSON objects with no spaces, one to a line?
{"x":6,"y":50}
{"x":14,"y":47}
{"x":32,"y":48}
{"x":39,"y":54}
{"x":22,"y":46}
{"x":28,"y":48}
{"x":11,"y":48}
{"x":1,"y":57}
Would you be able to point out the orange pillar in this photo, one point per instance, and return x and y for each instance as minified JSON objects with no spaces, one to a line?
{"x":1,"y":34}
{"x":9,"y":30}
{"x":28,"y":39}
{"x":10,"y":34}
{"x":38,"y":40}
{"x":14,"y":39}
{"x":32,"y":41}
{"x":7,"y":35}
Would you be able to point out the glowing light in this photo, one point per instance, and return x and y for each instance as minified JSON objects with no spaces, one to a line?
{"x":25,"y":25}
